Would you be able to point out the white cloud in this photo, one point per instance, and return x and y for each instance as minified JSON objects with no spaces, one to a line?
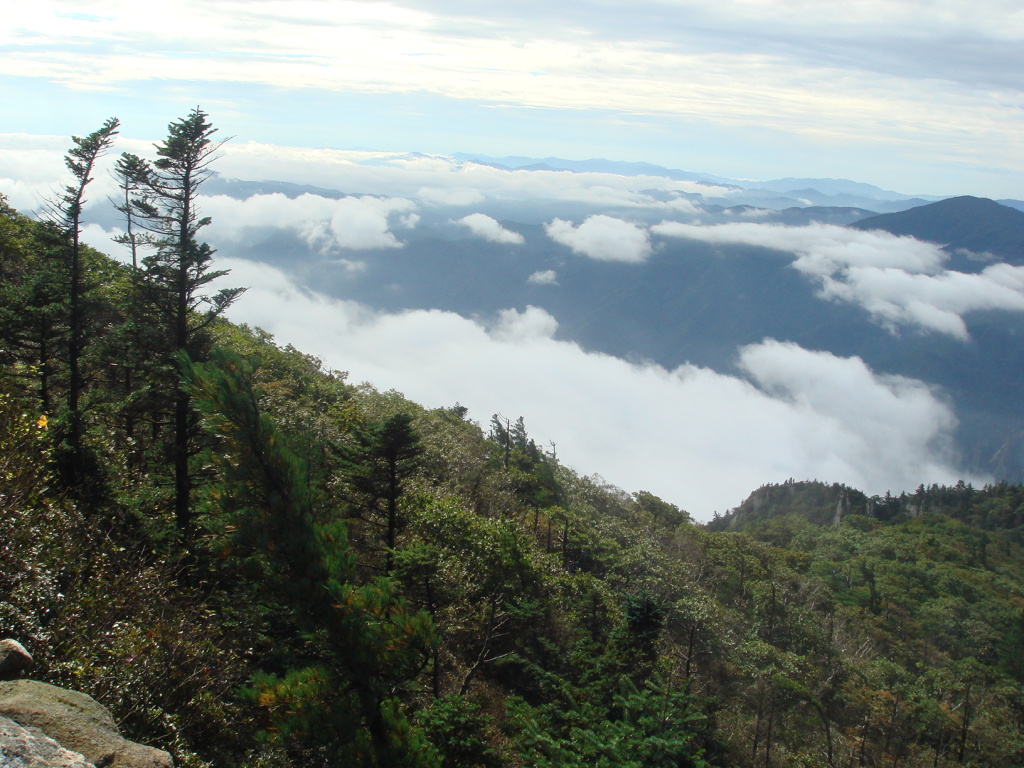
{"x":751,"y":213}
{"x":484,"y":226}
{"x":602,"y":237}
{"x":881,"y":419}
{"x":25,"y":196}
{"x":351,"y":266}
{"x":685,"y":205}
{"x":351,"y":223}
{"x":408,"y":220}
{"x":515,"y":327}
{"x":700,"y":439}
{"x":899,"y":280}
{"x":822,"y":249}
{"x":937,"y":302}
{"x":543,"y":277}
{"x":102,"y":240}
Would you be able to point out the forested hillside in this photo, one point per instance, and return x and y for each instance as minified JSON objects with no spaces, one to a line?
{"x":254,"y":562}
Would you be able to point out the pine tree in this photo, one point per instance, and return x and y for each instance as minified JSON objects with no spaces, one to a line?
{"x":376,"y":465}
{"x":133,"y":176}
{"x":176,"y":275}
{"x":66,"y":214}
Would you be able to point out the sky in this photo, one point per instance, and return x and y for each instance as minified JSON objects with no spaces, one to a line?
{"x":917,"y":96}
{"x":921,"y":96}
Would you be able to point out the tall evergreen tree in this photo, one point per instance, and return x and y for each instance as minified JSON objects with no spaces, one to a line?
{"x":66,"y":214}
{"x":176,"y":275}
{"x":382,"y":457}
{"x":133,"y":175}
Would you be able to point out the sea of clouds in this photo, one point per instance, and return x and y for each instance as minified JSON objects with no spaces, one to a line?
{"x":700,"y":438}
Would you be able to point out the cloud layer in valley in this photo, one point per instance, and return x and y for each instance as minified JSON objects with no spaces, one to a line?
{"x":30,"y":167}
{"x":899,"y":280}
{"x":698,"y":438}
{"x":326,"y":224}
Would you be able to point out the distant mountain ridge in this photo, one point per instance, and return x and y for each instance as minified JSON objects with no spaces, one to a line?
{"x":777,"y":194}
{"x":981,"y":226}
{"x":594,"y":165}
{"x":835,"y":187}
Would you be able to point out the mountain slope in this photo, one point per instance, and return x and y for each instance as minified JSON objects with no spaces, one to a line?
{"x":975,"y":224}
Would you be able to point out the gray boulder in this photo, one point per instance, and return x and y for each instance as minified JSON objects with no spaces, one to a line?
{"x":14,"y":659}
{"x":77,"y":722}
{"x":31,"y":748}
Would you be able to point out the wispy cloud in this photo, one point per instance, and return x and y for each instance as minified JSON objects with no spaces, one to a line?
{"x":777,"y":69}
{"x":821,"y":249}
{"x":437,"y":180}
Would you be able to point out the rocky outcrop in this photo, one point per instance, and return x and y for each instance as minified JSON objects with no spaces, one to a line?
{"x":22,"y":747}
{"x":76,"y":722}
{"x":14,"y":659}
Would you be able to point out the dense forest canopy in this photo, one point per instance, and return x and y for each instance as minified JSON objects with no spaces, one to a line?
{"x":254,"y":562}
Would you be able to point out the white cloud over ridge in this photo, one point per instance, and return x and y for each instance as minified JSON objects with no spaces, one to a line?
{"x":601,"y":237}
{"x":822,"y":249}
{"x":490,"y":229}
{"x":899,"y":280}
{"x":698,"y":438}
{"x":326,"y":224}
{"x":438,"y":180}
{"x":31,"y":167}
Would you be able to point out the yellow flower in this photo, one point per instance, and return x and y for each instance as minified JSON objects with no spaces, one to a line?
{"x":42,"y":422}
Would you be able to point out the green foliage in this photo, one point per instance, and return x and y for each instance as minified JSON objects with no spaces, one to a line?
{"x":27,"y":558}
{"x":171,"y":290}
{"x":458,"y":730}
{"x":372,"y":640}
{"x":649,"y":727}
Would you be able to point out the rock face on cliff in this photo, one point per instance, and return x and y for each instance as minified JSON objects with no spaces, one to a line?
{"x":75,"y":722}
{"x":31,"y":748}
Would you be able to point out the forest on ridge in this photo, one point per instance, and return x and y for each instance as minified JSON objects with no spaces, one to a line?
{"x":255,"y":562}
